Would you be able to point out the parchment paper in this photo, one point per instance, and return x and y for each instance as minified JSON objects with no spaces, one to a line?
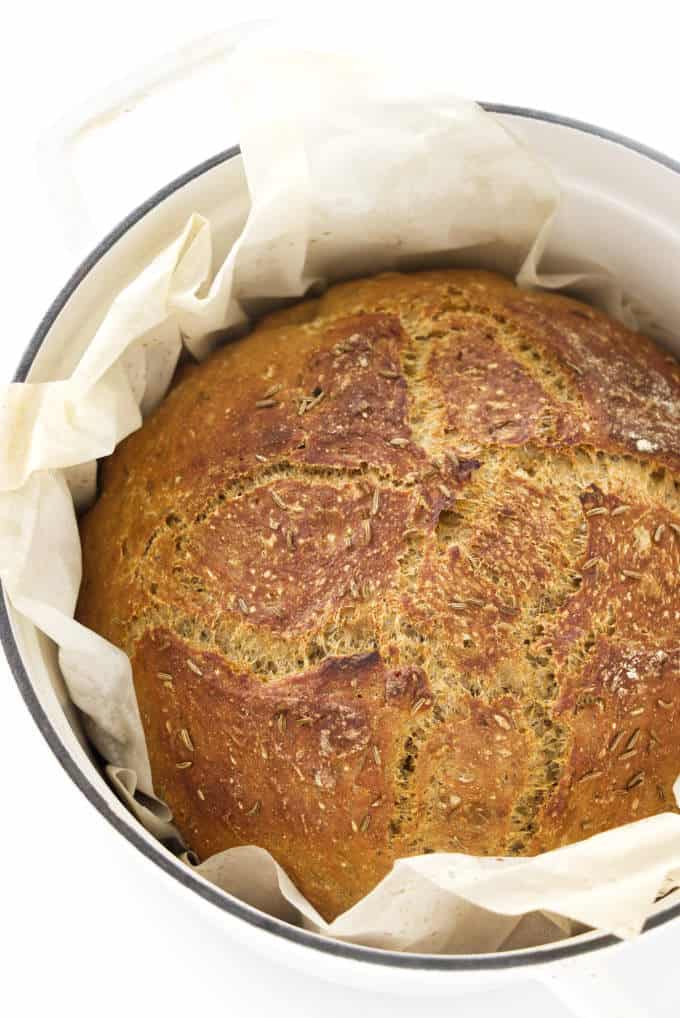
{"x":352,"y":166}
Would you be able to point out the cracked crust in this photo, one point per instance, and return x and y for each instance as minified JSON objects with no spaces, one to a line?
{"x":398,"y":573}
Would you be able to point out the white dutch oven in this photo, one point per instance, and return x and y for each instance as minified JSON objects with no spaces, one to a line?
{"x":623,"y":210}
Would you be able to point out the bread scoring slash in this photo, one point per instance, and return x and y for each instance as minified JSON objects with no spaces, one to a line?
{"x":398,"y":573}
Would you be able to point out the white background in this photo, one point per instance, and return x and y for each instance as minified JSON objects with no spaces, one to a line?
{"x":86,"y":928}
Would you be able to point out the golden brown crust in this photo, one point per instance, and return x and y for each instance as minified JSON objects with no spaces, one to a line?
{"x":398,"y":573}
{"x":303,"y":765}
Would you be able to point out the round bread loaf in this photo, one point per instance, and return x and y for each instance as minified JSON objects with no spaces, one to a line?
{"x":398,"y":573}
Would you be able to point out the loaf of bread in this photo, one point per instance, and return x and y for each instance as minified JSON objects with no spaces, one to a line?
{"x":399,"y":573}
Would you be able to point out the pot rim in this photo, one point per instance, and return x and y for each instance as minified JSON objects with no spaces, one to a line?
{"x":155,"y":852}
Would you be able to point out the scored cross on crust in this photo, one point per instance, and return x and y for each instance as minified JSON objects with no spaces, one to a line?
{"x":398,"y":573}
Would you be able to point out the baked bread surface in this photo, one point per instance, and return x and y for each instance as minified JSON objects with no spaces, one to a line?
{"x":398,"y":573}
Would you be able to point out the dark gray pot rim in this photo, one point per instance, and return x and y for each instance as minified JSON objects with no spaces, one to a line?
{"x":176,"y":869}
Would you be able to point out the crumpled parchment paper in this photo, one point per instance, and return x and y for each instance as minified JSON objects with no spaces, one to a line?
{"x":352,"y":167}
